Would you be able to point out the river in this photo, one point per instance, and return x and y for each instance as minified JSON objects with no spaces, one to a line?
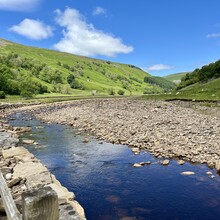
{"x":107,"y":185}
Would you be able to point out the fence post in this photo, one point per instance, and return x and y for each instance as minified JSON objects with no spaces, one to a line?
{"x":40,"y":204}
{"x":8,"y":202}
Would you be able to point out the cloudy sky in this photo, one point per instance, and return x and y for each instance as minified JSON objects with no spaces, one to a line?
{"x":159,"y":36}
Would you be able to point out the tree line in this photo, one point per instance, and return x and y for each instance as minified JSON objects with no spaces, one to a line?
{"x":202,"y":75}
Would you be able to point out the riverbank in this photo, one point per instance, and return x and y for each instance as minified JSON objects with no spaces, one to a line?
{"x":24,"y":172}
{"x":161,"y":128}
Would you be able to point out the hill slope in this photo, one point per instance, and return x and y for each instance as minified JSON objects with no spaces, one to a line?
{"x":176,"y":77}
{"x":29,"y":70}
{"x":202,"y":83}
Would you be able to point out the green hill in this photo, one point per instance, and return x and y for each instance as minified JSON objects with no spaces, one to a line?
{"x":176,"y":77}
{"x":202,"y":83}
{"x":28,"y":71}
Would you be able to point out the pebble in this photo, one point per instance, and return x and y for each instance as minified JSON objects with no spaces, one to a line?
{"x":180,"y":162}
{"x":187,"y":173}
{"x":165,"y":162}
{"x":137,"y":165}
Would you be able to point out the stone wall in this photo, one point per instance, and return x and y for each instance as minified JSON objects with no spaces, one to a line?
{"x":23,"y":172}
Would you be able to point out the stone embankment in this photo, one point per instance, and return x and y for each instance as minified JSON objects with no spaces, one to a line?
{"x":161,"y":128}
{"x":23,"y":172}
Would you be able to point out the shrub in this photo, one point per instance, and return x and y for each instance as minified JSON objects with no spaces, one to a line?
{"x":111,"y":92}
{"x":2,"y":95}
{"x":121,"y":92}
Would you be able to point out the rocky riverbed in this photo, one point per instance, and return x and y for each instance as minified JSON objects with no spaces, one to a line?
{"x":161,"y":128}
{"x":24,"y":172}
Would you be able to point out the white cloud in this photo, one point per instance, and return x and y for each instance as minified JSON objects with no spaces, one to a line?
{"x":159,"y":67}
{"x":80,"y":37}
{"x":32,"y":29}
{"x":18,"y":5}
{"x":214,"y":35}
{"x":98,"y":11}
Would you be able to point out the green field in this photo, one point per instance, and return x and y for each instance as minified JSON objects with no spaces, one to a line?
{"x":176,"y":77}
{"x":103,"y":77}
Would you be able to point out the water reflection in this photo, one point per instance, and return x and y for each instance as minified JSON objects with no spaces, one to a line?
{"x":109,"y":187}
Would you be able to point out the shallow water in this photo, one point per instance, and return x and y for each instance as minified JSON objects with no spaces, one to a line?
{"x":107,"y":185}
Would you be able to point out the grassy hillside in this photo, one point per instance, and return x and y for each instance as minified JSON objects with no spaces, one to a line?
{"x":27,"y":70}
{"x":176,"y":78}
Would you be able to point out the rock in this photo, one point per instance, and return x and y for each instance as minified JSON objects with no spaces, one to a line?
{"x":38,"y":180}
{"x":79,"y":209}
{"x":165,"y":162}
{"x":135,"y":150}
{"x":21,"y":129}
{"x":16,"y":151}
{"x":86,"y":140}
{"x":209,"y":173}
{"x":27,"y":141}
{"x":63,"y":194}
{"x":217,"y":166}
{"x":46,"y":199}
{"x":14,"y":182}
{"x":187,"y":173}
{"x":7,"y":139}
{"x":137,"y":165}
{"x":145,"y":163}
{"x":180,"y":162}
{"x":6,"y":170}
{"x":8,"y":176}
{"x":27,"y":169}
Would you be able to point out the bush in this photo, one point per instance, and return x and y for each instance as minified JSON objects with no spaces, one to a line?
{"x":2,"y":95}
{"x":121,"y":92}
{"x":111,"y":92}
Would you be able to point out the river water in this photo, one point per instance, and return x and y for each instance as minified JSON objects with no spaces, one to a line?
{"x":107,"y":185}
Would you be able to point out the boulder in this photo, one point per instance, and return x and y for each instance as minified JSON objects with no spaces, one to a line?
{"x":63,"y":194}
{"x":27,"y":169}
{"x":38,"y":180}
{"x":16,"y":151}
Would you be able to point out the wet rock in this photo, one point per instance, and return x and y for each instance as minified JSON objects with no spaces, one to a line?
{"x":27,"y":141}
{"x":86,"y":140}
{"x":135,"y":150}
{"x":165,"y":162}
{"x":22,"y":129}
{"x":217,"y":166}
{"x":187,"y":173}
{"x":137,"y":165}
{"x":180,"y":162}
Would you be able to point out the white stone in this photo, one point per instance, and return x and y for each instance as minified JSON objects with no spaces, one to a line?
{"x":137,"y":165}
{"x":187,"y":173}
{"x":8,"y":176}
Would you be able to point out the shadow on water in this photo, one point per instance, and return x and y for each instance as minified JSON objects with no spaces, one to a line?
{"x":109,"y":187}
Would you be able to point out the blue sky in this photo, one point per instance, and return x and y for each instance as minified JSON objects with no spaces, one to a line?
{"x":159,"y":36}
